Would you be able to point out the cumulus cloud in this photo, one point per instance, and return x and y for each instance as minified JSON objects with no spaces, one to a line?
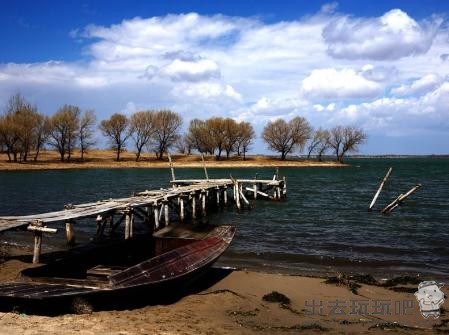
{"x":328,"y":67}
{"x":419,"y":86}
{"x":333,"y":83}
{"x":392,"y":36}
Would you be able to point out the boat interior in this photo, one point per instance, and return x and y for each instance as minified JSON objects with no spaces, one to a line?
{"x":92,"y":264}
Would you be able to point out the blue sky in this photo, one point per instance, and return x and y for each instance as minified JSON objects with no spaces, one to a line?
{"x":380,"y":65}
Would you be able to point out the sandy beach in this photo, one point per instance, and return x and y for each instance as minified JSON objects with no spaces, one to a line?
{"x":232,"y":302}
{"x":104,"y":159}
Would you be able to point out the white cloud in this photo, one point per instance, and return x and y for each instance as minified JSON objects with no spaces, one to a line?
{"x":331,"y":83}
{"x":392,"y":36}
{"x":419,"y":86}
{"x":251,"y":70}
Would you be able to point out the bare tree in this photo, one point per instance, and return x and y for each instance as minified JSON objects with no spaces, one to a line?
{"x":199,"y":137}
{"x":231,"y":135}
{"x":320,"y":138}
{"x":245,"y":138}
{"x":345,"y":139}
{"x":19,"y":128}
{"x":117,"y":129}
{"x":142,"y":129}
{"x":167,"y":124}
{"x":64,"y":130}
{"x":216,"y":134}
{"x":43,"y":128}
{"x":183,"y":145}
{"x":86,"y":131}
{"x":323,"y":144}
{"x":283,"y":137}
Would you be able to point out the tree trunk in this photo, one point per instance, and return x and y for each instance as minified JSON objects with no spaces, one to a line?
{"x":38,"y":148}
{"x":244,"y":154}
{"x":227,"y":154}
{"x":82,"y":153}
{"x":283,"y":154}
{"x":138,"y":154}
{"x":117,"y":157}
{"x":9,"y":155}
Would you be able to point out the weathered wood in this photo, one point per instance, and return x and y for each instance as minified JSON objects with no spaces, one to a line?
{"x":166,"y":213}
{"x":37,"y":247}
{"x":193,"y":206}
{"x":254,"y":190}
{"x":380,"y":188}
{"x":42,"y":229}
{"x":156,"y":216}
{"x":243,"y":196}
{"x":181,"y":208}
{"x":203,"y":202}
{"x":395,"y":203}
{"x":70,"y":233}
{"x":204,"y":167}
{"x":259,"y":192}
{"x":128,"y":224}
{"x":225,"y":196}
{"x":171,"y":167}
{"x":218,"y":190}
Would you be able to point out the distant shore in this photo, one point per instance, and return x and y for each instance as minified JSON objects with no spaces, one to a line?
{"x":104,"y":159}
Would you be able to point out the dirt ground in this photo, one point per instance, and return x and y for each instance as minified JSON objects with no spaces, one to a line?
{"x":49,"y":160}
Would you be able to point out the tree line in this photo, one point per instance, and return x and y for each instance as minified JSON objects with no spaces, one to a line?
{"x":24,"y":131}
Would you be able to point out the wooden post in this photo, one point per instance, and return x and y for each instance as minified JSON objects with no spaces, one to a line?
{"x":171,"y":168}
{"x":218,"y":190}
{"x":284,"y":187}
{"x":380,"y":189}
{"x":181,"y":208}
{"x":243,"y":196}
{"x":204,"y":166}
{"x":203,"y":202}
{"x":98,"y":221}
{"x":237,"y":195}
{"x":225,"y":195}
{"x":127,"y":224}
{"x":193,"y":205}
{"x":255,"y":190}
{"x":38,"y":228}
{"x":70,"y":234}
{"x":156,"y":215}
{"x":166,"y":213}
{"x":400,"y":199}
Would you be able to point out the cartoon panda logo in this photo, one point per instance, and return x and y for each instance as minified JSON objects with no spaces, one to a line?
{"x":430,"y":298}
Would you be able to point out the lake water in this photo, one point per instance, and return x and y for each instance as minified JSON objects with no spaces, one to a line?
{"x":322,"y":227}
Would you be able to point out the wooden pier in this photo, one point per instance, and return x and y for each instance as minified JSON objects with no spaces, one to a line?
{"x":186,"y":199}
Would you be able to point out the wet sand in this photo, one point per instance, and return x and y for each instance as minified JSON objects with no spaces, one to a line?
{"x":232,"y":303}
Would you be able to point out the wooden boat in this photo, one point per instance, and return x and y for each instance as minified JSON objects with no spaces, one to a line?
{"x":169,"y":258}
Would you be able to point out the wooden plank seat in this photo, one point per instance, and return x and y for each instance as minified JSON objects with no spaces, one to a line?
{"x":102,"y":272}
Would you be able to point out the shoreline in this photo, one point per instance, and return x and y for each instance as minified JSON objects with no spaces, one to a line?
{"x":228,"y":301}
{"x":103,"y":159}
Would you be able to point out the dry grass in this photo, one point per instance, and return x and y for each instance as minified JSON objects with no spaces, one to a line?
{"x":49,"y":160}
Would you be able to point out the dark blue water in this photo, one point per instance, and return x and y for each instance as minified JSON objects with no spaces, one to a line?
{"x":324,"y":225}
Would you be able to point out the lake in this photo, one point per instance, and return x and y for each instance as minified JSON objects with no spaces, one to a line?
{"x":322,"y":227}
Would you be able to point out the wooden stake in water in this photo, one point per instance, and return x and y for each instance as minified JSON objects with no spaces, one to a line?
{"x":380,"y":188}
{"x":400,"y":199}
{"x":171,"y":168}
{"x":204,"y":166}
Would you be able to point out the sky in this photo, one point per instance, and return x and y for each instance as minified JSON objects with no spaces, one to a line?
{"x":379,"y":65}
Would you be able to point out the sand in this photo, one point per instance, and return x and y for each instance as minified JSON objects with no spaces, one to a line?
{"x":232,"y":304}
{"x":49,"y":160}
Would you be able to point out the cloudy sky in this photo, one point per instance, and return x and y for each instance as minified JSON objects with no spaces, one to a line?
{"x":383,"y":66}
